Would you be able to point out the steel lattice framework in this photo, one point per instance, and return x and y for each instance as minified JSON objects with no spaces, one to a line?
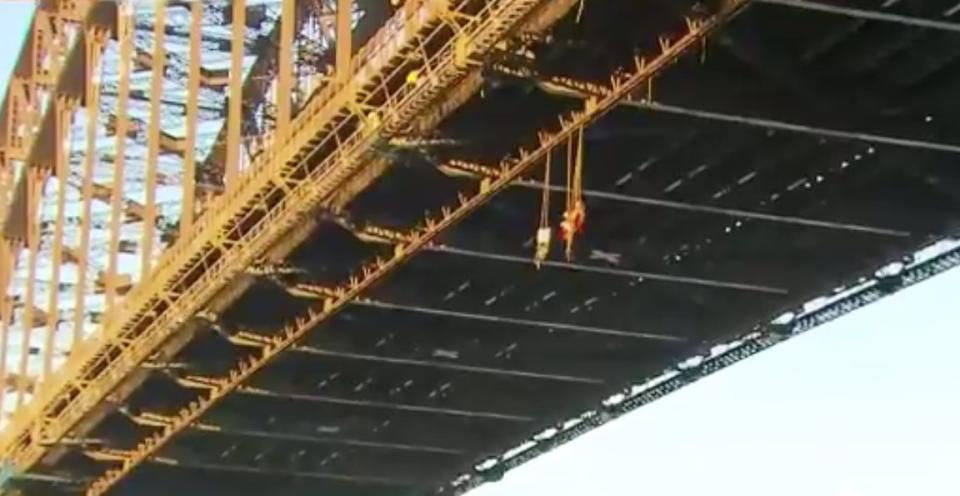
{"x":167,"y":167}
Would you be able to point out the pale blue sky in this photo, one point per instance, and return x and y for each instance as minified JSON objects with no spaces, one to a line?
{"x":14,"y":19}
{"x":865,"y":406}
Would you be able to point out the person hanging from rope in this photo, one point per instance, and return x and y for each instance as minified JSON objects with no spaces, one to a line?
{"x":544,"y":233}
{"x":575,"y":214}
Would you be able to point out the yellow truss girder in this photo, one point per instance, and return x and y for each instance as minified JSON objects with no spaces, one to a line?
{"x":183,"y":280}
{"x":334,"y":300}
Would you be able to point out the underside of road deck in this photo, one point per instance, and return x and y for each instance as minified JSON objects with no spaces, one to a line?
{"x":793,"y":152}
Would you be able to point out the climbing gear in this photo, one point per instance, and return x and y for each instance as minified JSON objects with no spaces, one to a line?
{"x":544,"y":232}
{"x":575,"y":214}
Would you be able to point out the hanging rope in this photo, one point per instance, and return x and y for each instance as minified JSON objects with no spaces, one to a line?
{"x":569,"y":185}
{"x":543,"y":230}
{"x":576,"y":212}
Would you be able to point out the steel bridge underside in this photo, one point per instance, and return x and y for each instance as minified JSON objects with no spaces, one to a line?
{"x":794,"y":153}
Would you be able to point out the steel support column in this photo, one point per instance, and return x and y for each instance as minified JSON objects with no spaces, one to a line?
{"x":344,"y":38}
{"x":157,"y":63}
{"x":8,"y":260}
{"x":235,"y":98}
{"x":187,"y":202}
{"x":35,"y":177}
{"x":10,"y":137}
{"x":288,"y":23}
{"x":38,"y":68}
{"x":93,"y":39}
{"x":125,"y":26}
{"x":62,"y":116}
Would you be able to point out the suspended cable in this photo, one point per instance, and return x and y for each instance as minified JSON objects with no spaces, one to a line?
{"x":543,"y":230}
{"x":576,"y":212}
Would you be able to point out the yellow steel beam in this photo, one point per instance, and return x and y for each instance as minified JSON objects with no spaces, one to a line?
{"x":92,"y":370}
{"x":98,"y":366}
{"x":237,"y":228}
{"x":62,"y":117}
{"x":21,"y":121}
{"x":157,"y":63}
{"x":11,"y":142}
{"x":433,"y":115}
{"x":193,"y":93}
{"x":288,"y":23}
{"x":338,"y":298}
{"x":93,"y":39}
{"x":344,"y":38}
{"x":35,"y":179}
{"x":235,"y":99}
{"x":124,"y":34}
{"x":7,"y":260}
{"x":39,"y":76}
{"x":37,"y":69}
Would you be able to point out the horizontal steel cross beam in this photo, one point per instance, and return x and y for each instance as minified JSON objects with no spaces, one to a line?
{"x":868,"y":14}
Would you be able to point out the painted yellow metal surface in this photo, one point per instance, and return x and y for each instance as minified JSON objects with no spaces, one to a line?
{"x":309,"y":157}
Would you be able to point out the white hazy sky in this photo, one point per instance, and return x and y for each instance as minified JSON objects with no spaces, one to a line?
{"x":868,"y":405}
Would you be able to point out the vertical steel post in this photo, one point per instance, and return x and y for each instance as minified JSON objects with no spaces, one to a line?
{"x":288,"y":23}
{"x":43,"y":41}
{"x":35,"y":188}
{"x":117,"y":208}
{"x":7,"y":258}
{"x":157,"y":62}
{"x":6,"y":313}
{"x":235,"y":110}
{"x":61,"y":171}
{"x":90,"y":159}
{"x":187,"y":205}
{"x":344,"y":38}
